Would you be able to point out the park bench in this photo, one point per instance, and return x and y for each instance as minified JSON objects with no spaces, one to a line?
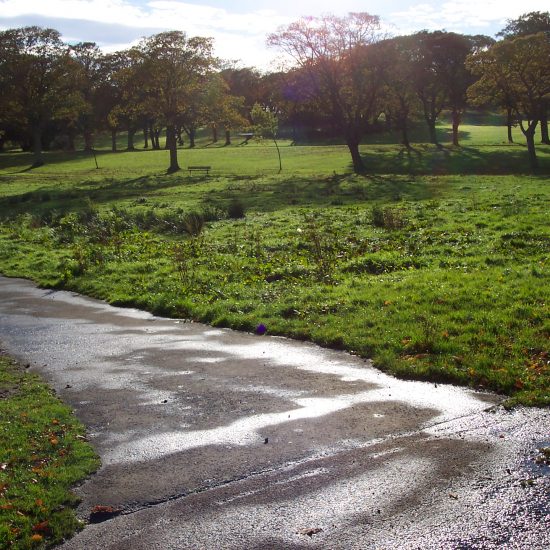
{"x":199,"y":169}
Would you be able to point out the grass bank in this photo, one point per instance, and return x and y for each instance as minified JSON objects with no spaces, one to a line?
{"x":434,"y":277}
{"x":43,"y":453}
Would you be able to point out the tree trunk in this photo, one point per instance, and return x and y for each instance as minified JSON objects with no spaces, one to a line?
{"x":545,"y":138}
{"x":37,"y":147}
{"x":88,"y":140}
{"x":353,"y":146}
{"x":228,"y":137}
{"x":173,"y":148}
{"x":405,"y":133}
{"x":70,"y":140}
{"x":214,"y":134}
{"x":529,"y":134}
{"x":192,"y":133}
{"x":456,"y":123}
{"x":131,"y":134}
{"x":113,"y":140}
{"x":146,"y":137}
{"x":431,"y":129}
{"x":155,"y":139}
{"x":509,"y":124}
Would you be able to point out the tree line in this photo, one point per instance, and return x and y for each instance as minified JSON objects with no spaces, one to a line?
{"x":345,"y":80}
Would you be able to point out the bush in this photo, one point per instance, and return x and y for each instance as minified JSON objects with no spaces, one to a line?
{"x":235,"y":210}
{"x":388,"y":218}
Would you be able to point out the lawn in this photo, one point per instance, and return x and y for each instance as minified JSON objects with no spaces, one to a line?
{"x":438,"y":274}
{"x":43,"y":453}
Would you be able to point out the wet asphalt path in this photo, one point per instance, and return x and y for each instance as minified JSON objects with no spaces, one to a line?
{"x":215,"y":439}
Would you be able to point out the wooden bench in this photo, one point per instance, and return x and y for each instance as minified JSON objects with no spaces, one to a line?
{"x":199,"y":169}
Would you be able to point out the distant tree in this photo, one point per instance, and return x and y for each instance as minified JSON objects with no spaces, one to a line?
{"x":265,"y":125}
{"x":37,"y":78}
{"x":88,"y":59}
{"x":334,"y":53}
{"x":177,"y":68}
{"x":519,"y":70}
{"x":528,"y":23}
{"x":439,"y":73}
{"x":399,"y":102}
{"x":532,"y":23}
{"x":246,"y":83}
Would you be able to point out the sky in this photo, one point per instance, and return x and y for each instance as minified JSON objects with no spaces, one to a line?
{"x":239,"y":28}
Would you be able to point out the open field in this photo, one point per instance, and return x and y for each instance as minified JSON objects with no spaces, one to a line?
{"x":440,"y":274}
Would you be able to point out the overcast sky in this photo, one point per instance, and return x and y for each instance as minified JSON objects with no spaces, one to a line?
{"x":240,"y":27}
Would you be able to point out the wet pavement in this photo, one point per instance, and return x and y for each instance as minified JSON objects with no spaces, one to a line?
{"x":211,"y":438}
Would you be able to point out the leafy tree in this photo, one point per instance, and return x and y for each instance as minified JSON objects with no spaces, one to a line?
{"x":519,"y":70}
{"x":532,"y":23}
{"x":88,"y":59}
{"x":399,"y":99}
{"x":37,"y":77}
{"x":246,"y":83}
{"x":528,"y":23}
{"x":177,"y":68}
{"x":439,"y":74}
{"x":333,"y":52}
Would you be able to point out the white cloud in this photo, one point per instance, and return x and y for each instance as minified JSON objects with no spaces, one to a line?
{"x":463,"y":15}
{"x":236,"y":35}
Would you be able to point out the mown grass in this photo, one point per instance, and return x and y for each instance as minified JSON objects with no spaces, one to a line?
{"x":42,"y":454}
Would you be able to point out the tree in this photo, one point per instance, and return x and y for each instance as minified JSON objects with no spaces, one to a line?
{"x":519,"y":70}
{"x":528,"y":23}
{"x":177,"y":67}
{"x":37,"y":78}
{"x":532,"y":23}
{"x":334,"y":53}
{"x":88,"y":59}
{"x":399,"y":99}
{"x":439,"y":73}
{"x":265,"y":126}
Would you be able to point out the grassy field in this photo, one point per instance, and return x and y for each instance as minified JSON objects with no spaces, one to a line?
{"x":42,"y":453}
{"x":438,"y":274}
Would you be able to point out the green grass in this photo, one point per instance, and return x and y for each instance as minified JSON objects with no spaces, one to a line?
{"x":435,"y":264}
{"x":42,"y":454}
{"x":483,"y":151}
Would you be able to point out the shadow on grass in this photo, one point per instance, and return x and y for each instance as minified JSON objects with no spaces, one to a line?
{"x":427,"y":159}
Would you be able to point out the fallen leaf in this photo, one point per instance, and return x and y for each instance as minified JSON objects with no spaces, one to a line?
{"x":41,"y":527}
{"x":54,"y":440}
{"x":453,"y":496}
{"x":37,"y":538}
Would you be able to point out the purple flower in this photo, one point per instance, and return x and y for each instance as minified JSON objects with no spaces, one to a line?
{"x":261,"y":329}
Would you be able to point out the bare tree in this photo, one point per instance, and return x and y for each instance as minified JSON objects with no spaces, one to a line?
{"x":334,"y":52}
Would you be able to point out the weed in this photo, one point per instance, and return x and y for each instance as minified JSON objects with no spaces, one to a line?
{"x":388,"y":217}
{"x":235,"y":210}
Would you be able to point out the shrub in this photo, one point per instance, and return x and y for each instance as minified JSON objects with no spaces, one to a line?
{"x":235,"y":210}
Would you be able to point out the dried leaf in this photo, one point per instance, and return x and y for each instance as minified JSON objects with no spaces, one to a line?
{"x":41,"y":527}
{"x":37,"y":538}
